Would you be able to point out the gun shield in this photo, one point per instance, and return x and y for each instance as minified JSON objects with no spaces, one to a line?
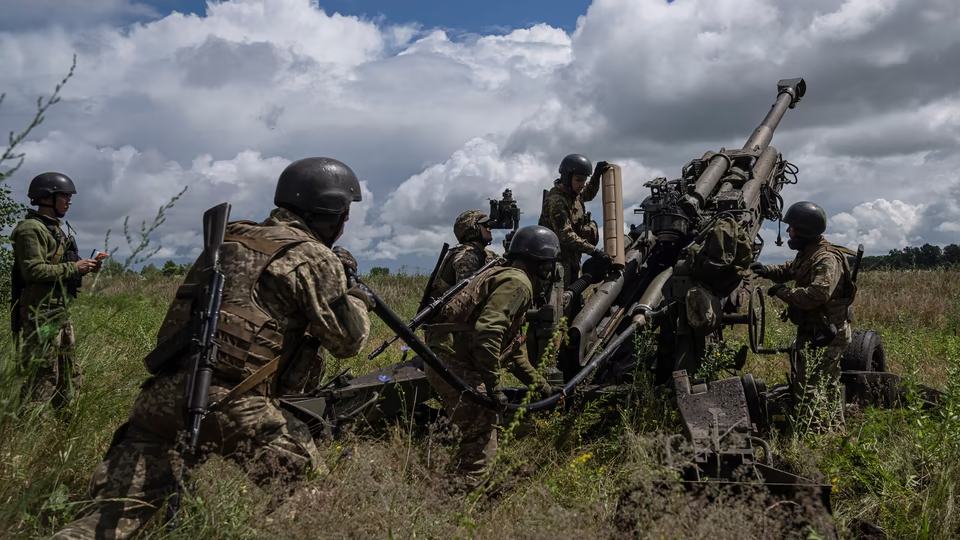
{"x":613,"y":237}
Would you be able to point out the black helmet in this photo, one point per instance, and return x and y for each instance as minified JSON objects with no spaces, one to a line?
{"x":534,"y":242}
{"x":808,"y":220}
{"x":48,"y":183}
{"x":575,"y":164}
{"x":317,"y":185}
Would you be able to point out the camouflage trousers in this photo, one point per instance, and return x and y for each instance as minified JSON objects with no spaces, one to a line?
{"x":48,"y":360}
{"x":475,"y":423}
{"x":815,"y":375}
{"x":142,"y":467}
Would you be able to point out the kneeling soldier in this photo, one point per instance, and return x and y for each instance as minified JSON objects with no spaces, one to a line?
{"x":285,"y":299}
{"x":485,"y":322}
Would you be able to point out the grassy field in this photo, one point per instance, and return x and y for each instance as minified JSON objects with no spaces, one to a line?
{"x":557,"y":476}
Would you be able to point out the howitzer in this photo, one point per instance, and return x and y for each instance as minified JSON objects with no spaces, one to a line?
{"x":704,"y":228}
{"x":427,"y":312}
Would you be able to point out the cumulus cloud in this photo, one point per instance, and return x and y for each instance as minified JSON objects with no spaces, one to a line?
{"x":436,"y":124}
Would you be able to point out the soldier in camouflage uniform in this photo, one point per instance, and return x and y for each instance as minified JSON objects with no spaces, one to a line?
{"x":564,"y":213}
{"x":485,"y":321}
{"x":820,"y":301}
{"x":286,"y":297}
{"x":46,"y":274}
{"x":467,"y":257}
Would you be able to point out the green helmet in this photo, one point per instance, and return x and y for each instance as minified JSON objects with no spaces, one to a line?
{"x":808,"y":219}
{"x":467,"y":226}
{"x":534,"y":242}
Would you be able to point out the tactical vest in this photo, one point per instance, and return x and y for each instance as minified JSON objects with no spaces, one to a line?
{"x":447,"y":275}
{"x":247,"y":334}
{"x":460,"y":313}
{"x":579,"y":218}
{"x":837,"y":310}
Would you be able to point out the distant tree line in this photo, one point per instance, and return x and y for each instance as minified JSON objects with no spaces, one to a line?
{"x":915,"y":258}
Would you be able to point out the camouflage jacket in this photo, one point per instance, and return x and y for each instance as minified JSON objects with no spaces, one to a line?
{"x":460,"y":263}
{"x":823,"y":287}
{"x":39,"y":246}
{"x":288,"y":299}
{"x":564,"y":214}
{"x":493,"y":338}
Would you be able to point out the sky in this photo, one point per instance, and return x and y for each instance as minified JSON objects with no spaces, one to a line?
{"x":439,"y":106}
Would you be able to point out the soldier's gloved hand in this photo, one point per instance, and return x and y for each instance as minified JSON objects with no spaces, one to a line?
{"x":777,"y":290}
{"x":597,"y":252}
{"x":346,"y":259}
{"x":361,"y":292}
{"x":759,"y":269}
{"x":601,"y":168}
{"x":495,"y":395}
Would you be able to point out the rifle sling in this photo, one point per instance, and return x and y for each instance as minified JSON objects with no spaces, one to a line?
{"x":249,"y":383}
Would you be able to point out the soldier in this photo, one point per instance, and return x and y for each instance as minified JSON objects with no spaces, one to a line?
{"x":818,"y":303}
{"x":46,"y":274}
{"x":564,"y":213}
{"x":286,"y":297}
{"x":466,"y":258}
{"x":485,"y":320}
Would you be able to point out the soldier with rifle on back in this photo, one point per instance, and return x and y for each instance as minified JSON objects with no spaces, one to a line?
{"x":279,"y":297}
{"x":46,"y":273}
{"x":819,"y":303}
{"x":564,"y":212}
{"x":483,"y":324}
{"x":469,"y":255}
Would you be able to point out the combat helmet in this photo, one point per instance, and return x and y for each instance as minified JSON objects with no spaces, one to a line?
{"x":534,"y":242}
{"x":46,"y":184}
{"x":574,"y":164}
{"x":467,"y":226}
{"x":808,"y":219}
{"x":317,"y":185}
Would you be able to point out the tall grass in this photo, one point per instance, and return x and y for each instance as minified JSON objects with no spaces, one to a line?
{"x":597,"y":473}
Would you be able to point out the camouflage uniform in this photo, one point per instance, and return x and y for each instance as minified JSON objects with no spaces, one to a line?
{"x":564,"y":213}
{"x":282,"y":286}
{"x":488,"y":341}
{"x":43,"y":269}
{"x":460,"y":263}
{"x":822,"y":295}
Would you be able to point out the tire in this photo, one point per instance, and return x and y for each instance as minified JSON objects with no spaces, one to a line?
{"x":864,"y":353}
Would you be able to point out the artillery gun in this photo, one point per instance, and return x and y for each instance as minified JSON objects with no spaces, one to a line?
{"x":680,"y":273}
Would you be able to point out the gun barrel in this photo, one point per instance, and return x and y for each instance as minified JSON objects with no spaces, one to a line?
{"x":789,"y":92}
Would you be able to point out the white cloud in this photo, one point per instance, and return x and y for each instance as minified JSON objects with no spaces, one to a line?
{"x":435,"y":124}
{"x":879,"y":225}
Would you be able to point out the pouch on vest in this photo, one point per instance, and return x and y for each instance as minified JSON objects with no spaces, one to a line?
{"x":719,"y":257}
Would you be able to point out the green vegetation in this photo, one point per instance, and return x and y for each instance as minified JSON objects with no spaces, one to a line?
{"x":558,"y":475}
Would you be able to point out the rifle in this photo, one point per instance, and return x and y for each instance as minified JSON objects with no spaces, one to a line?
{"x":206,"y":318}
{"x":203,"y":345}
{"x":430,"y":309}
{"x":433,"y":277}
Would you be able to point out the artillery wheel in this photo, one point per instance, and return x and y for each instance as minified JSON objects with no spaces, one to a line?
{"x":864,"y":353}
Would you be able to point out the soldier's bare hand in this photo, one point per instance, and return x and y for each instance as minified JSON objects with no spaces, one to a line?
{"x":85,"y":266}
{"x":346,"y":258}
